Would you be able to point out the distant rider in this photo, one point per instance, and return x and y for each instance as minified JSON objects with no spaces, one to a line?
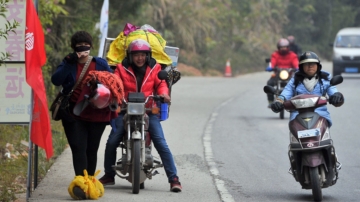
{"x":294,"y":47}
{"x":282,"y":58}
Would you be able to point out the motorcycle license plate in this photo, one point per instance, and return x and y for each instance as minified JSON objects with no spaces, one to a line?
{"x":309,"y":133}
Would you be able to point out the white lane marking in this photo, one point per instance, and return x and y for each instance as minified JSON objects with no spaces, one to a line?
{"x":220,"y":184}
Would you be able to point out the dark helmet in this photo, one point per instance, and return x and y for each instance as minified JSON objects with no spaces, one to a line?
{"x":307,"y":57}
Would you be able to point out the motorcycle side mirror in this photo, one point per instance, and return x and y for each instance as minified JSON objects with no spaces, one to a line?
{"x":269,"y":90}
{"x":267,"y":60}
{"x":162,"y":75}
{"x":338,"y":79}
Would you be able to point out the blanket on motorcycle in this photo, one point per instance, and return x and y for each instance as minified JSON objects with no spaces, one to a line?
{"x":117,"y":49}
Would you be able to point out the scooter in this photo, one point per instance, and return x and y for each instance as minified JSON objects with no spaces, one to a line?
{"x":137,"y":163}
{"x":282,"y":77}
{"x":311,"y":151}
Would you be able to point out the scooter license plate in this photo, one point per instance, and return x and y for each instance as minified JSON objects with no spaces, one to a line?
{"x":309,"y":133}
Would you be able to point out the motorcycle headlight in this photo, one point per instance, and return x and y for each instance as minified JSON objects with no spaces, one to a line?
{"x":284,"y":75}
{"x":136,"y":108}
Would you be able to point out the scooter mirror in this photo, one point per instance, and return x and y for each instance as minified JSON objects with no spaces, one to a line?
{"x":267,"y":60}
{"x":269,"y":89}
{"x":338,"y":79}
{"x":162,"y":75}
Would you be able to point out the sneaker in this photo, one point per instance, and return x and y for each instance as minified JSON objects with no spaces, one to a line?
{"x":107,"y":180}
{"x":175,"y":185}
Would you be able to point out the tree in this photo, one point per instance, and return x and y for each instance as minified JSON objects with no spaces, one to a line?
{"x":9,"y":27}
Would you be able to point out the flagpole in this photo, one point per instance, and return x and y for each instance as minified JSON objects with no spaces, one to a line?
{"x":30,"y":154}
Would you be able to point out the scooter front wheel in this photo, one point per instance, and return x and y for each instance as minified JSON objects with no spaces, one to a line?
{"x":315,"y":183}
{"x":136,"y":166}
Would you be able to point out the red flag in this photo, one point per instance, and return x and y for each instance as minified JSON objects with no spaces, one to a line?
{"x":35,"y":58}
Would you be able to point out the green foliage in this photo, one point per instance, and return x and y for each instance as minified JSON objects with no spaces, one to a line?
{"x":315,"y":23}
{"x":13,"y":170}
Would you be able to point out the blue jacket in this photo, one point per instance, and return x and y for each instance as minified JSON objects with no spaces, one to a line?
{"x":290,"y":91}
{"x":65,"y":73}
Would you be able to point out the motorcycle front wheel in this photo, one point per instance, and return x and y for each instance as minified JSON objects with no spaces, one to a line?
{"x":136,"y":166}
{"x":315,"y":183}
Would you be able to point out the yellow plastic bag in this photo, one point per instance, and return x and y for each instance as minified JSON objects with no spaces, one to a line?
{"x":117,"y":49}
{"x":91,"y":186}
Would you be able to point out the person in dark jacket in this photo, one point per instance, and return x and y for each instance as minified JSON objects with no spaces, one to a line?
{"x":83,"y":135}
{"x":294,"y":47}
{"x":139,"y":74}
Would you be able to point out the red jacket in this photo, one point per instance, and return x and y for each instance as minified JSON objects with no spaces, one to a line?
{"x":284,"y":61}
{"x":150,"y":81}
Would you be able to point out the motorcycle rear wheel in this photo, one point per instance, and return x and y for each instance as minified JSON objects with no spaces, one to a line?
{"x":315,"y":183}
{"x":136,"y":166}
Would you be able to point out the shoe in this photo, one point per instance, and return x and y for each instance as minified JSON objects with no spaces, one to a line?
{"x":175,"y":185}
{"x":107,"y":180}
{"x":79,"y":193}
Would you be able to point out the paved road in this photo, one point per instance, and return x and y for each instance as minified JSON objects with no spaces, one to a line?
{"x":210,"y":118}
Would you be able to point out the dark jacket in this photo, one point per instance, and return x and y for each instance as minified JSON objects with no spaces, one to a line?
{"x":65,"y":73}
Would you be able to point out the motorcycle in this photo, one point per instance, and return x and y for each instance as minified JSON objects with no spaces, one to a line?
{"x":137,"y":163}
{"x":311,"y":151}
{"x":282,"y":77}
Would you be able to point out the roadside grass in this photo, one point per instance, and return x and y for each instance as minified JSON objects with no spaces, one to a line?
{"x":14,"y":158}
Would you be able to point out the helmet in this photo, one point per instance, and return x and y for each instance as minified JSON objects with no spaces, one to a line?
{"x":307,"y":57}
{"x":100,"y":97}
{"x":283,"y":43}
{"x":291,"y":39}
{"x":139,"y":45}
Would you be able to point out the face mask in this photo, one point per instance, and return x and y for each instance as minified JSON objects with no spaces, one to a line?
{"x":82,"y":51}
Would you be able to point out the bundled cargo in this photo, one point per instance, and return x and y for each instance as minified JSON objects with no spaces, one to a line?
{"x":167,"y":56}
{"x":117,"y":49}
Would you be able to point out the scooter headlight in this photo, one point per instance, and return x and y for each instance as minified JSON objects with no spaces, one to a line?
{"x":284,"y":75}
{"x":305,"y":103}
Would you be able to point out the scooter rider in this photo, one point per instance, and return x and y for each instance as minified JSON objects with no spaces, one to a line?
{"x":309,"y":80}
{"x":282,"y":58}
{"x":139,"y":74}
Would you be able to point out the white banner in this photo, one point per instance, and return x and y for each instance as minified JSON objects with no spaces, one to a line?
{"x":104,"y":21}
{"x":14,"y":44}
{"x":15,"y":94}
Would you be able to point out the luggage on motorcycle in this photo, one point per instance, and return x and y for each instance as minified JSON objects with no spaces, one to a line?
{"x":167,"y":56}
{"x":117,"y":49}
